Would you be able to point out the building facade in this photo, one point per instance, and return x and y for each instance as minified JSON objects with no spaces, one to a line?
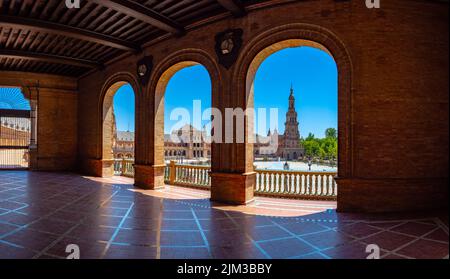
{"x":190,"y":143}
{"x":286,"y":146}
{"x":123,"y":145}
{"x":187,"y":143}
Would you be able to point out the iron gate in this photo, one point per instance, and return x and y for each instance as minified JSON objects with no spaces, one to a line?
{"x":15,"y":135}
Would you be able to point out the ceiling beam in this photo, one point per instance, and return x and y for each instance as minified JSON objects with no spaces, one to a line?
{"x":66,"y":30}
{"x":234,"y":6}
{"x":144,"y":14}
{"x":49,"y":58}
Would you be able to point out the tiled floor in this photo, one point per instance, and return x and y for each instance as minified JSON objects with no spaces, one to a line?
{"x":42,"y":213}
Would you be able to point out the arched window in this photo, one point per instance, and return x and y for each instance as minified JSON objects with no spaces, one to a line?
{"x":118,"y":122}
{"x":307,"y":78}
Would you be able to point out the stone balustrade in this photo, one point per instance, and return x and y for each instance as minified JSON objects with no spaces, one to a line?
{"x":124,"y":167}
{"x":275,"y":183}
{"x":305,"y":185}
{"x":187,"y":175}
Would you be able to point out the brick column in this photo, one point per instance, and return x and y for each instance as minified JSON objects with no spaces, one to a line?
{"x":232,"y":188}
{"x":232,"y":176}
{"x":149,"y":167}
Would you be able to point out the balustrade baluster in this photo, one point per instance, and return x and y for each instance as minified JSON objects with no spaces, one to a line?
{"x":286,"y":189}
{"x":188,"y":175}
{"x":191,"y":175}
{"x":285,"y":182}
{"x":202,"y":177}
{"x":205,"y":177}
{"x":276,"y":183}
{"x":316,"y":185}
{"x":194,"y":176}
{"x":334,"y":188}
{"x":295,"y":185}
{"x":290,"y":183}
{"x":270,"y":190}
{"x":263,"y":186}
{"x":323,"y":187}
{"x":300,"y":182}
{"x":330,"y":186}
{"x":308,"y":190}
{"x":257,"y":186}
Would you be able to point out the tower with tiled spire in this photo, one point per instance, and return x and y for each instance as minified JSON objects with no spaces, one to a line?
{"x":291,"y":134}
{"x":291,"y":148}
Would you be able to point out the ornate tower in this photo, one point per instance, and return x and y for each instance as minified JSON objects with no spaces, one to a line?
{"x":291,"y":134}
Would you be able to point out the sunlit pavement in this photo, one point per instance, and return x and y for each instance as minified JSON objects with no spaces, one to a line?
{"x":42,"y":213}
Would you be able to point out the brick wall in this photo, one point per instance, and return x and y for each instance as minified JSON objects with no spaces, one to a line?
{"x":57,"y":103}
{"x":398,"y":133}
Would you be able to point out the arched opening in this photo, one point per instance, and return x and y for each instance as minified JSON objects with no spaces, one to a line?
{"x":15,"y":129}
{"x":118,"y":130}
{"x":299,"y":117}
{"x":184,"y":94}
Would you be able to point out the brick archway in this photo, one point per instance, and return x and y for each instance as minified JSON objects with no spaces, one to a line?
{"x":149,"y":167}
{"x":294,"y":35}
{"x":105,"y":164}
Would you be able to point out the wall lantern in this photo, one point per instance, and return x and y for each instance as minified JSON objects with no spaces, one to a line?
{"x":144,"y":69}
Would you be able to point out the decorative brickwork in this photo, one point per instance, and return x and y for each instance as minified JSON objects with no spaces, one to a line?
{"x":392,"y":105}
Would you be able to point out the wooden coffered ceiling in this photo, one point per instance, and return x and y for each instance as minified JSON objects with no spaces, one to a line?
{"x":44,"y":36}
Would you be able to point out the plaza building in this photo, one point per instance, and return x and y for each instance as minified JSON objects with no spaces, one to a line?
{"x":123,"y":145}
{"x":185,"y":143}
{"x":286,"y":146}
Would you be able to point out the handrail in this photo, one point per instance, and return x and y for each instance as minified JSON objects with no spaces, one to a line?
{"x":275,"y":183}
{"x":124,"y":167}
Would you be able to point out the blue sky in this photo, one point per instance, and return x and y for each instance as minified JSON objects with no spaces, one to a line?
{"x":187,"y":85}
{"x":312,"y":72}
{"x":124,"y":108}
{"x":12,"y":98}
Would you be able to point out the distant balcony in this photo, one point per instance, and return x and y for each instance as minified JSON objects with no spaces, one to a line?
{"x":271,"y":183}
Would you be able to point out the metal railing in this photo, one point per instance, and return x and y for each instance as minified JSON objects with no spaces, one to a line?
{"x":14,"y":158}
{"x":274,"y":183}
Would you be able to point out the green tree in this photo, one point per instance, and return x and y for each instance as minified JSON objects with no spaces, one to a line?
{"x":331,"y":133}
{"x":325,"y":148}
{"x":310,"y":137}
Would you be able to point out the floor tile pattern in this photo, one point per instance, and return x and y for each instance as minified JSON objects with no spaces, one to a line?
{"x":42,"y":213}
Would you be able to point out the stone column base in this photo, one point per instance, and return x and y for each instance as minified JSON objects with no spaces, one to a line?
{"x":99,"y":168}
{"x":33,"y":158}
{"x":391,"y":195}
{"x":149,"y":177}
{"x":233,"y":188}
